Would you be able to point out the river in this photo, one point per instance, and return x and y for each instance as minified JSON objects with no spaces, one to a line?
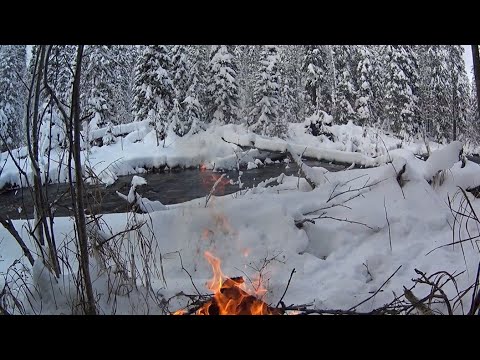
{"x":169,"y":187}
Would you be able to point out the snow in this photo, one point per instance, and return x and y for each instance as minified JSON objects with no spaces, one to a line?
{"x":349,"y":209}
{"x":138,"y":150}
{"x":138,"y":181}
{"x":443,"y":159}
{"x":331,"y":257}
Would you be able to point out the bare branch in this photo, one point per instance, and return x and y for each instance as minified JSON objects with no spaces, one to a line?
{"x":376,"y":292}
{"x":288,"y":284}
{"x":8,"y":224}
{"x":346,"y":220}
{"x":190,"y":276}
{"x":364,"y":187}
{"x":388,"y":222}
{"x":299,"y":223}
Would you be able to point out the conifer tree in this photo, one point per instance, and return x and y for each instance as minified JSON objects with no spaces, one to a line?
{"x":223,"y":88}
{"x":153,"y":91}
{"x":401,"y":102}
{"x":265,"y":114}
{"x":194,"y":112}
{"x":12,"y":94}
{"x":99,"y":80}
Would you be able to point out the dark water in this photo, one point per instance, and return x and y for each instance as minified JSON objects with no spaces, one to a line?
{"x":474,"y":158}
{"x":168,"y":187}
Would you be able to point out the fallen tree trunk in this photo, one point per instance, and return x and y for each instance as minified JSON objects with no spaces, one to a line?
{"x":310,"y":153}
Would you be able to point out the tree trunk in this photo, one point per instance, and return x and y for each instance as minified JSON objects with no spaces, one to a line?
{"x":41,"y":229}
{"x":476,"y":71}
{"x":32,"y":143}
{"x":454,"y":109}
{"x":79,"y":203}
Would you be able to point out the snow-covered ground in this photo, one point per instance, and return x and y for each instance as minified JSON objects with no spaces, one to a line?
{"x":137,"y":151}
{"x":338,"y":263}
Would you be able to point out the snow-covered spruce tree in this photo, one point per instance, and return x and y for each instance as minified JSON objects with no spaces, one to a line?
{"x":153,"y":91}
{"x":364,"y":104}
{"x":180,"y":71}
{"x":194,"y":113}
{"x":180,"y":76}
{"x":176,"y":120}
{"x":124,"y":58}
{"x":109,"y":138}
{"x":60,"y":76}
{"x":12,"y":94}
{"x":59,"y":66}
{"x":290,"y":82}
{"x":99,"y":82}
{"x":472,"y":116}
{"x":401,"y":101}
{"x":345,"y":89}
{"x":31,"y":63}
{"x":222,"y":88}
{"x":458,"y":90}
{"x":248,"y":57}
{"x":266,"y":119}
{"x":433,"y":94}
{"x":318,"y":75}
{"x":378,"y":81}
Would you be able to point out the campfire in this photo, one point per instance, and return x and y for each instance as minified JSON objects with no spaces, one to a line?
{"x":230,"y":296}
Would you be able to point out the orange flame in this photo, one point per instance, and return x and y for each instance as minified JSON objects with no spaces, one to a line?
{"x":215,"y":284}
{"x":229,"y":297}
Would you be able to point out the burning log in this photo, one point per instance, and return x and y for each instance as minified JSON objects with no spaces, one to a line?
{"x":232,"y":300}
{"x":229,"y":297}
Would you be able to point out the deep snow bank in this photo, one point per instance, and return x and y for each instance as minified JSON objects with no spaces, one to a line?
{"x":342,"y":258}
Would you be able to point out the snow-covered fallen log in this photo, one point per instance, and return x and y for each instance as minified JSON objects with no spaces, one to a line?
{"x":119,"y":130}
{"x":307,"y":152}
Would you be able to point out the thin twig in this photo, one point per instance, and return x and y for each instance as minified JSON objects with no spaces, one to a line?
{"x":388,"y":222}
{"x":346,"y":220}
{"x":364,"y":187}
{"x":376,"y":292}
{"x":190,"y":276}
{"x":288,"y":284}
